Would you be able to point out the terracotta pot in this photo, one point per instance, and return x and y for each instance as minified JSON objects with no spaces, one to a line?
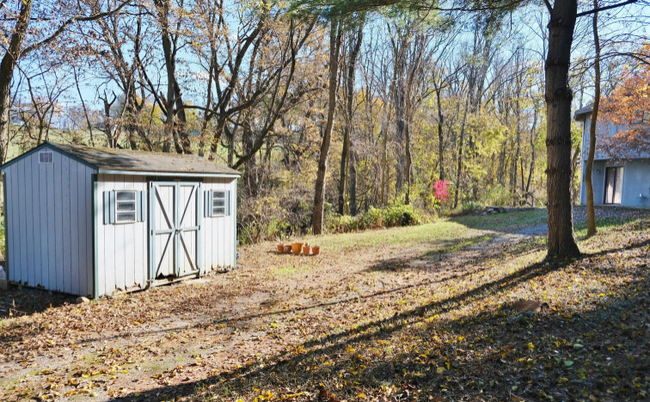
{"x":280,"y":248}
{"x":306,"y":250}
{"x":296,"y":248}
{"x":315,"y":250}
{"x":287,"y":248}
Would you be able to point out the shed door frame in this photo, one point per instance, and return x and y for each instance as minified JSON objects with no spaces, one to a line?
{"x":178,"y":245}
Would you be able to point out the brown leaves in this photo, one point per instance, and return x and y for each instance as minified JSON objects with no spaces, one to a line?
{"x":437,"y":331}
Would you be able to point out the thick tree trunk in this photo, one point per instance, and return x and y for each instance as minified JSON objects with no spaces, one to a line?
{"x":319,"y":194}
{"x":561,"y":243}
{"x":7,"y":66}
{"x":591,"y":214}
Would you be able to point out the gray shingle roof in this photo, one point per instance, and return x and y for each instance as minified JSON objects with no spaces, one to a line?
{"x":581,"y":114}
{"x":142,"y":161}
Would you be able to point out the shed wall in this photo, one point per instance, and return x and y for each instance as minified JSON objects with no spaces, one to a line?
{"x":220,"y":233}
{"x":122,"y":249}
{"x":49,"y":224}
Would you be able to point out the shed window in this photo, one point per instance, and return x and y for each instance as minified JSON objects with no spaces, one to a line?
{"x":45,"y":157}
{"x":125,"y":206}
{"x":218,"y":203}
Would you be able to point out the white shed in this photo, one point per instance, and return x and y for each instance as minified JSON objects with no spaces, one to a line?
{"x":89,"y":221}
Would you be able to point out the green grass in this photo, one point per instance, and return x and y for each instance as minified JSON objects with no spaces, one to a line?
{"x":461,"y":245}
{"x":504,"y":222}
{"x":605,"y":224}
{"x":448,"y":230}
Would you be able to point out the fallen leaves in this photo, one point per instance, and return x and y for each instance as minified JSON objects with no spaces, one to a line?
{"x":441,"y":330}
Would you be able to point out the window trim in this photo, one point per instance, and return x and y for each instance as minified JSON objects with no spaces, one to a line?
{"x":135,"y":206}
{"x":214,"y":207}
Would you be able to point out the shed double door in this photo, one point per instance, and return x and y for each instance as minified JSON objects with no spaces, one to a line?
{"x":175,"y":226}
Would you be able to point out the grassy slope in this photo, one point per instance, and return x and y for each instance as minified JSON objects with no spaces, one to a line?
{"x":445,"y":230}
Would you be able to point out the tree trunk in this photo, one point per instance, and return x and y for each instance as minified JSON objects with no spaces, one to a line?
{"x":460,"y":155}
{"x":561,"y":243}
{"x":346,"y":157}
{"x":384,"y":158}
{"x":591,"y":215}
{"x":400,"y":132}
{"x":345,"y":163}
{"x":408,"y":162}
{"x":319,"y":194}
{"x":174,"y":103}
{"x":440,"y":135}
{"x":532,"y":156}
{"x":354,"y":209}
{"x":7,"y":66}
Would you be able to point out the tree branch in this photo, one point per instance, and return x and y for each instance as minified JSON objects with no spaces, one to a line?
{"x":63,"y":26}
{"x":582,"y":14}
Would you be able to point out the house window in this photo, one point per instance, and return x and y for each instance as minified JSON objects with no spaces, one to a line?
{"x":218,"y":203}
{"x":45,"y":157}
{"x":613,"y":185}
{"x":125,"y":206}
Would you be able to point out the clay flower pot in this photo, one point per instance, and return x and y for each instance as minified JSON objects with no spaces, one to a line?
{"x":306,"y":250}
{"x":287,"y":248}
{"x":296,"y":248}
{"x":315,"y":250}
{"x":280,"y":248}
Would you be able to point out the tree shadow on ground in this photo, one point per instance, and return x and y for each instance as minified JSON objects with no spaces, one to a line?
{"x":16,"y":302}
{"x":495,"y":354}
{"x":511,"y":222}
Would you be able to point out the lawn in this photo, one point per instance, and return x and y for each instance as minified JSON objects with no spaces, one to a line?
{"x":419,"y":313}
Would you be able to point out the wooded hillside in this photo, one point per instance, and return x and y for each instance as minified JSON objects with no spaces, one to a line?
{"x":423,"y":98}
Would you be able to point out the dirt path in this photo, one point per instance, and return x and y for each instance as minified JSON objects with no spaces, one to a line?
{"x":177,"y":339}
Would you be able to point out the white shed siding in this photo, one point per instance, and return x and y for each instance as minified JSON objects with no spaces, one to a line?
{"x":49,"y":212}
{"x":121,"y":248}
{"x":220,"y":233}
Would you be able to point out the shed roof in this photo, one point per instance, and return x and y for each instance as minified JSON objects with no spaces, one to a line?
{"x":107,"y":160}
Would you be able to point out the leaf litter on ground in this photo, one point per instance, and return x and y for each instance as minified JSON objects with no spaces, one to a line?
{"x":413,"y":320}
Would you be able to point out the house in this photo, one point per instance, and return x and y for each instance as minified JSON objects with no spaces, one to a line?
{"x":89,"y":221}
{"x":616,"y":181}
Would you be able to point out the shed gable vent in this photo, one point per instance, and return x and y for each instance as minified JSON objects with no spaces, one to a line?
{"x":45,"y":157}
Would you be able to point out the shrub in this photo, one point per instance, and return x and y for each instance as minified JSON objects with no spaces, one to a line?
{"x":400,"y":215}
{"x":470,"y":207}
{"x":498,"y":195}
{"x":389,"y":216}
{"x":371,"y":219}
{"x":341,"y":223}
